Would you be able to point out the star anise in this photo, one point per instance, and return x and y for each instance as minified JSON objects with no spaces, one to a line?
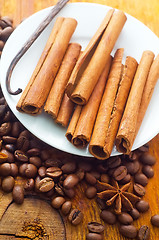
{"x":120,"y":197}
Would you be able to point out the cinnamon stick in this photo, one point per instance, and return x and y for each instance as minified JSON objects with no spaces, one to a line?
{"x":65,"y":111}
{"x":37,"y":90}
{"x":97,"y":143}
{"x":126,"y":133}
{"x":83,"y":131}
{"x":56,"y":94}
{"x":90,"y":75}
{"x":87,"y":53}
{"x":73,"y":122}
{"x":148,"y":91}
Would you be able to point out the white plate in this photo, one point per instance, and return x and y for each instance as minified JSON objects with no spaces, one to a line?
{"x":135,"y":38}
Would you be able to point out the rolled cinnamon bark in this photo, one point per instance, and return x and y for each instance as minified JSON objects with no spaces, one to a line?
{"x":148,"y":91}
{"x":83,"y":131}
{"x":127,"y":129}
{"x":65,"y":112}
{"x":56,"y":94}
{"x":112,"y":105}
{"x":86,"y":54}
{"x":73,"y":122}
{"x":37,"y":90}
{"x":92,"y":72}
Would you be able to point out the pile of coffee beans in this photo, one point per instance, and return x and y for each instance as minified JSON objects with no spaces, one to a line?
{"x":29,"y":166}
{"x":6,"y":28}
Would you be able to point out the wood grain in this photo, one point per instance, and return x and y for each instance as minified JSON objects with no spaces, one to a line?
{"x":14,"y":217}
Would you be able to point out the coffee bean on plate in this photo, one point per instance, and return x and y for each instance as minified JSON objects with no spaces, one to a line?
{"x":155,"y":220}
{"x":75,"y":216}
{"x":144,"y":233}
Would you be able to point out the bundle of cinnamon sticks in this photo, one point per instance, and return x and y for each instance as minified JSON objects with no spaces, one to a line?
{"x":100,"y":98}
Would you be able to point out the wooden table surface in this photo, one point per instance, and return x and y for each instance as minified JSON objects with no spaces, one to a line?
{"x":146,"y":11}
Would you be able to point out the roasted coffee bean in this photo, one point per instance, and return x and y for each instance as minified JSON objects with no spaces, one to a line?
{"x":75,"y":216}
{"x":91,"y":192}
{"x":142,"y":206}
{"x":10,"y":155}
{"x":36,"y":161}
{"x":9,"y":139}
{"x":10,"y":147}
{"x":52,"y":162}
{"x":15,"y":131}
{"x":129,"y":231}
{"x":53,"y":172}
{"x":155,"y":220}
{"x":2,"y":110}
{"x":45,"y":184}
{"x":69,"y":167}
{"x":95,"y":227}
{"x":8,"y":184}
{"x":139,"y":190}
{"x":50,"y":193}
{"x":125,"y":218}
{"x":104,"y":178}
{"x":126,"y":179}
{"x":2,"y":101}
{"x":101,"y":203}
{"x":94,"y":236}
{"x":3,"y":157}
{"x":31,"y":171}
{"x":20,"y":156}
{"x":120,"y":173}
{"x":80,"y":173}
{"x":37,"y":181}
{"x":134,"y":213}
{"x":6,"y":32}
{"x":143,"y":233}
{"x":113,"y":162}
{"x":70,"y":181}
{"x":69,"y":192}
{"x":22,"y":143}
{"x":108,"y":217}
{"x":144,"y":148}
{"x":5,"y":169}
{"x":66,"y":207}
{"x":22,"y":169}
{"x":14,"y":170}
{"x":86,"y":166}
{"x":102,"y":168}
{"x":18,"y":194}
{"x":148,"y":171}
{"x":1,"y":43}
{"x":147,"y":159}
{"x":33,"y":152}
{"x":96,"y":174}
{"x":57,"y":202}
{"x":5,"y":128}
{"x":42,"y":171}
{"x":132,"y":167}
{"x":141,"y":179}
{"x":5,"y":22}
{"x":44,"y":155}
{"x":90,"y":178}
{"x":59,"y":189}
{"x":29,"y":185}
{"x":133,"y":156}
